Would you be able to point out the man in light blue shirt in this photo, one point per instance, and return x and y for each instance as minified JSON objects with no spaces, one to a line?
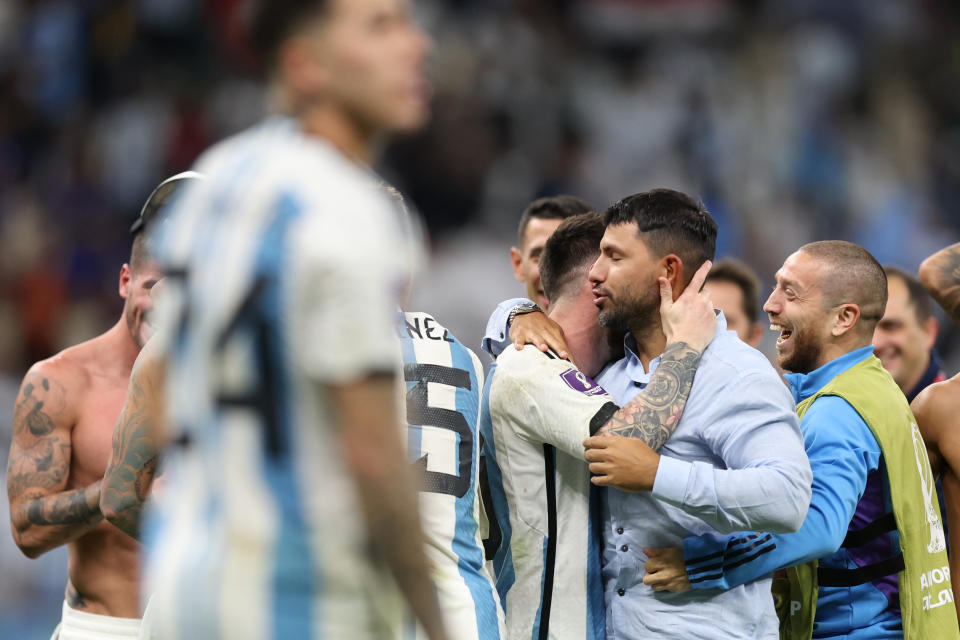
{"x":736,"y":456}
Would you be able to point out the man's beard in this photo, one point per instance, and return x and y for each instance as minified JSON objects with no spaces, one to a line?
{"x":636,"y":312}
{"x":806,"y":353}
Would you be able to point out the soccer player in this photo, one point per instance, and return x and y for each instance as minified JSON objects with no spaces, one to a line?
{"x":63,"y":423}
{"x":289,"y":509}
{"x":539,"y":220}
{"x":733,"y":287}
{"x":539,"y":408}
{"x":869,"y":560}
{"x":444,"y":383}
{"x":905,"y":335}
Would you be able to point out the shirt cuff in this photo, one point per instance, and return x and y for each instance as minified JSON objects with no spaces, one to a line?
{"x":497,"y":335}
{"x":673,"y":475}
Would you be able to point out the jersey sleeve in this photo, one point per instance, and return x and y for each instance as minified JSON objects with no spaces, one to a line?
{"x":569,"y":406}
{"x":766,"y":484}
{"x":842,"y":452}
{"x":345,"y":286}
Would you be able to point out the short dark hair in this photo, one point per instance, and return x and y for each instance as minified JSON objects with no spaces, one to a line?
{"x":855,"y":276}
{"x":569,"y":252}
{"x":152,"y":212}
{"x":551,"y":208}
{"x":670,"y":222}
{"x":918,"y":296}
{"x":270,"y":22}
{"x":740,"y":275}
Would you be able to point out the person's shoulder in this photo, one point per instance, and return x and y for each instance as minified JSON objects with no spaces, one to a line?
{"x":62,"y":379}
{"x":936,"y":406}
{"x":733,"y":360}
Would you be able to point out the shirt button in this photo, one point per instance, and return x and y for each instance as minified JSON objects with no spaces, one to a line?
{"x":620,"y":530}
{"x":621,"y":591}
{"x":624,"y":548}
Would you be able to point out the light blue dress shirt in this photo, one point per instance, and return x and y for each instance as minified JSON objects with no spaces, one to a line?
{"x":844,"y":452}
{"x":736,"y":457}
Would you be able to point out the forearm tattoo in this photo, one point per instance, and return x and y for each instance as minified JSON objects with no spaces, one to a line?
{"x":133,"y":463}
{"x":653,"y":415}
{"x":39,"y":465}
{"x":943,"y":280}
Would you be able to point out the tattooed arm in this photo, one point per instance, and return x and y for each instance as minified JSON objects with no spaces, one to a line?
{"x":43,"y":515}
{"x":940,"y":274}
{"x":136,"y":445}
{"x":689,"y":324}
{"x":654,"y":413}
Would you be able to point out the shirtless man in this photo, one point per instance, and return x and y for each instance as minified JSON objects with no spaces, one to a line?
{"x":63,"y":424}
{"x":936,"y":407}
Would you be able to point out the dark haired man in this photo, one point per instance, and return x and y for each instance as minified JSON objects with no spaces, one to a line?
{"x":538,"y":222}
{"x":537,"y":411}
{"x":63,"y":423}
{"x":905,"y":335}
{"x":733,"y":287}
{"x":736,"y":455}
{"x":869,"y":560}
{"x":290,"y":509}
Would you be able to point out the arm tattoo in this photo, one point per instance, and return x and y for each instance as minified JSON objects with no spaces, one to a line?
{"x":43,"y":514}
{"x":943,"y":279}
{"x":654,"y":414}
{"x":133,"y":463}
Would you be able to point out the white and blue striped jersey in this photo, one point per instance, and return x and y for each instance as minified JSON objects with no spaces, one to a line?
{"x":285,"y":266}
{"x":537,"y":410}
{"x":444,"y":382}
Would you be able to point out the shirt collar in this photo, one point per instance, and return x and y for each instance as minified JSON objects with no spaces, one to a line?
{"x":933,"y":372}
{"x":804,"y":385}
{"x":634,"y":366}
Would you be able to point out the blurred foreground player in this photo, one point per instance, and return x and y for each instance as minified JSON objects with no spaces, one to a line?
{"x":289,"y":502}
{"x":63,"y":423}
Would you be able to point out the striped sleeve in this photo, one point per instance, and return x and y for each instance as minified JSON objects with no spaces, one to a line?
{"x":842,"y":452}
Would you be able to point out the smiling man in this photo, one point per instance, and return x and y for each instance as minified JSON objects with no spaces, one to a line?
{"x":906,"y":333}
{"x":869,"y":561}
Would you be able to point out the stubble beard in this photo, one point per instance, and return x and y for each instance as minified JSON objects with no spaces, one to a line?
{"x":806,"y":353}
{"x":635,"y":314}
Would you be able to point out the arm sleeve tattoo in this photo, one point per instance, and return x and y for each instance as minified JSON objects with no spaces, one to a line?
{"x":44,"y":515}
{"x":133,"y":461}
{"x":654,"y":414}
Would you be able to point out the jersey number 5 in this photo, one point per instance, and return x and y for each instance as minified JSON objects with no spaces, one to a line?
{"x":419,"y":412}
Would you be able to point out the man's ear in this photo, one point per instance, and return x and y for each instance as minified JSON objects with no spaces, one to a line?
{"x":515,"y":259}
{"x":847,"y":316}
{"x":931,"y":328}
{"x":673,"y":271}
{"x":126,"y":277}
{"x":300,"y":67}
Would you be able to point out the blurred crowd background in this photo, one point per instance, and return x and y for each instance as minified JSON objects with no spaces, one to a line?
{"x":794,"y":120}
